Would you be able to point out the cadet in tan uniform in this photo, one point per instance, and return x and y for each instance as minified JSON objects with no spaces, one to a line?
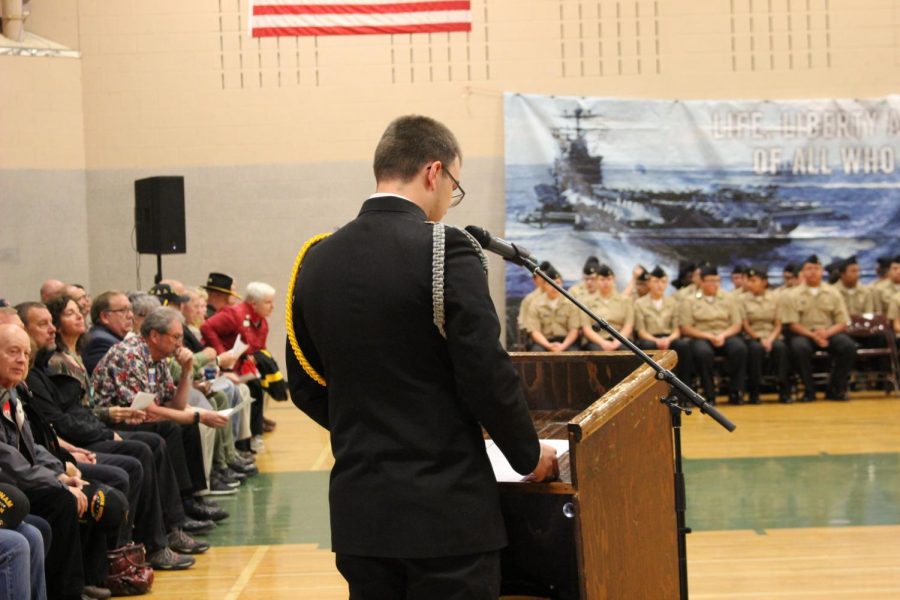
{"x":893,"y":312}
{"x":637,"y":285}
{"x":738,"y":278}
{"x":551,"y":320}
{"x":616,"y":309}
{"x":689,"y":279}
{"x":883,"y":290}
{"x":588,"y":283}
{"x":656,"y":323}
{"x":858,"y":298}
{"x":713,"y":322}
{"x":817,"y":319}
{"x":530,"y":296}
{"x":762,"y":331}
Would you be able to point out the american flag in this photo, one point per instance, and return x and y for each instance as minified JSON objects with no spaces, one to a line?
{"x":353,"y":17}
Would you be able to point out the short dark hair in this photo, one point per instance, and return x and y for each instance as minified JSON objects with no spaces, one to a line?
{"x":23,"y":309}
{"x":411,"y":142}
{"x":101,"y":304}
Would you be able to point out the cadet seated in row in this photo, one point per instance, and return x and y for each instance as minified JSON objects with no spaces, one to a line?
{"x":656,"y":323}
{"x":712,"y":320}
{"x":552,"y":322}
{"x":817,"y":319}
{"x":762,"y":331}
{"x":611,"y":306}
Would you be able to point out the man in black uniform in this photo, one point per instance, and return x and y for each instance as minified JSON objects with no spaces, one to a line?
{"x":396,"y":352}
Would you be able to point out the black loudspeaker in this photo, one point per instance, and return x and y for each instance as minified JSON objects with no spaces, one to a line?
{"x":159,"y":215}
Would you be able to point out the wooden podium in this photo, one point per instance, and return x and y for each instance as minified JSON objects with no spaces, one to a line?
{"x":607,"y":529}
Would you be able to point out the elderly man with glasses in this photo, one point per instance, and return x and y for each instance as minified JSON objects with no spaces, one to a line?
{"x":113,"y":318}
{"x":141,"y":364}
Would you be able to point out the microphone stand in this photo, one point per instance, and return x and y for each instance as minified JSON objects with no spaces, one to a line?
{"x":679,"y":392}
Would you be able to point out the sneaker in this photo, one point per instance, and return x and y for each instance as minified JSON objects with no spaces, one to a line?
{"x":167,"y":560}
{"x":226,"y":478}
{"x":195,"y":526}
{"x":217,"y":487}
{"x":248,"y":470}
{"x":256,"y":443}
{"x":233,"y":474}
{"x":181,"y":542}
{"x":203,"y":512}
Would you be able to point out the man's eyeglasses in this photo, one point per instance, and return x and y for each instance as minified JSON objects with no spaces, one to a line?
{"x":178,"y":338}
{"x":458,"y":192}
{"x":125,"y":310}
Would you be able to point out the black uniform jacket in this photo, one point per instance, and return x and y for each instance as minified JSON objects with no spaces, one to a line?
{"x":58,"y":400}
{"x":411,"y":477}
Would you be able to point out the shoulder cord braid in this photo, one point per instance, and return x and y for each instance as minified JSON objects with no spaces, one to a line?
{"x":438,"y":247}
{"x":289,"y":310}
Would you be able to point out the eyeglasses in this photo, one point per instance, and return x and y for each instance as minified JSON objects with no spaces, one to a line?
{"x":177,"y":338}
{"x":125,"y":310}
{"x":458,"y":192}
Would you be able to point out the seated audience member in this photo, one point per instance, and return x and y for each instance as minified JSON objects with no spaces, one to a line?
{"x":194,"y":312}
{"x":690,"y":281}
{"x":21,"y":548}
{"x":142,"y":304}
{"x":64,"y":399}
{"x":817,"y":319}
{"x":82,"y":298}
{"x":858,"y":298}
{"x":140,"y":364}
{"x":790,"y":277}
{"x":226,"y":469}
{"x":247,"y":320}
{"x":551,"y":321}
{"x":656,"y":323}
{"x":637,"y":285}
{"x":762,"y":330}
{"x":893,"y":313}
{"x":611,"y":306}
{"x":50,"y":288}
{"x":220,"y":290}
{"x":712,"y":321}
{"x":53,"y":495}
{"x":112,"y":316}
{"x":738,"y":278}
{"x":884,"y":289}
{"x":588,"y":283}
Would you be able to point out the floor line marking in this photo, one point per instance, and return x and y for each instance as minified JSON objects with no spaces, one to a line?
{"x":244,"y":578}
{"x":324,"y":455}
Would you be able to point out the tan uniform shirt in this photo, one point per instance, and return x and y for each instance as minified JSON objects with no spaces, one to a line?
{"x":815,"y":311}
{"x":688,"y":291}
{"x":579,"y":290}
{"x":656,"y":318}
{"x":523,"y":307}
{"x":761,"y":312}
{"x":710,"y":314}
{"x":893,"y":310}
{"x":553,"y":318}
{"x":857,"y":299}
{"x":882,"y":293}
{"x":617,"y":310}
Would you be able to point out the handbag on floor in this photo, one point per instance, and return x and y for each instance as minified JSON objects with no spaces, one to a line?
{"x":129,"y":572}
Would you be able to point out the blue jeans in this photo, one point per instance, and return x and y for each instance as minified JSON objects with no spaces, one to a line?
{"x":22,"y":563}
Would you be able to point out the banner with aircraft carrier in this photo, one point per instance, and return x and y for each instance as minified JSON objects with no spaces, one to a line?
{"x":665,"y":182}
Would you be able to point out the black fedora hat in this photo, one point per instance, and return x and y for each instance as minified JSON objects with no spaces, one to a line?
{"x":219,"y":282}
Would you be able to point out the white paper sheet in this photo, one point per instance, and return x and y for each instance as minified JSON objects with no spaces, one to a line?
{"x":239,"y":347}
{"x":142,"y":400}
{"x":503,"y":471}
{"x":227,"y":412}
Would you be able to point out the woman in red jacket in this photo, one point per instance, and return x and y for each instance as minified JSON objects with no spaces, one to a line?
{"x":247,"y":320}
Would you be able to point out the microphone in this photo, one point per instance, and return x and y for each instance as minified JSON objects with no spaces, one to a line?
{"x":508,"y":250}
